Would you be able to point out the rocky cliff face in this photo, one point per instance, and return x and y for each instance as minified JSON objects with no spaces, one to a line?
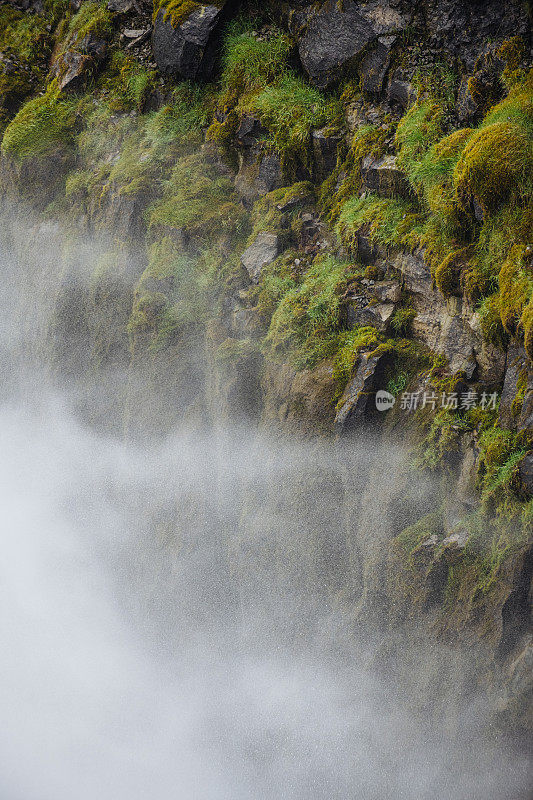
{"x":345,"y":208}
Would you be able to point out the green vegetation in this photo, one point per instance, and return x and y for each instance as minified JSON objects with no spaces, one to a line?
{"x":25,"y":45}
{"x":249,"y":63}
{"x":307,"y":321}
{"x":387,"y":221}
{"x":485,"y":171}
{"x":179,"y":10}
{"x":345,"y":181}
{"x":290,"y":109}
{"x":92,"y":19}
{"x":257,"y":79}
{"x":410,"y":539}
{"x":277,"y":210}
{"x":43,"y":126}
{"x":171,"y":295}
{"x":199,"y":198}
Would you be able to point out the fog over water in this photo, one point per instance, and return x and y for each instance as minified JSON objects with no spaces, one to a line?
{"x":166,"y":631}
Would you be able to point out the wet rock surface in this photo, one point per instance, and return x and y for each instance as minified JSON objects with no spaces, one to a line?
{"x":263,"y":251}
{"x":188,"y":49}
{"x":332,"y":38}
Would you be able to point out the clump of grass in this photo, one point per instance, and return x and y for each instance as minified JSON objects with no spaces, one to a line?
{"x":402,"y":320}
{"x":172,"y":294}
{"x":250,"y":64}
{"x":276,"y":210}
{"x":389,"y":222}
{"x":144,"y":148}
{"x":516,"y":287}
{"x":345,"y":181}
{"x":43,"y":126}
{"x":26,"y":41}
{"x":500,"y":452}
{"x":496,"y":162}
{"x":92,"y":19}
{"x":291,"y":109}
{"x":491,"y":323}
{"x":417,"y":131}
{"x":199,"y":198}
{"x":307,"y":320}
{"x":179,"y":11}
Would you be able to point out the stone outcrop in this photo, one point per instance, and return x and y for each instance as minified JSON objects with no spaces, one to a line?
{"x":384,"y":177}
{"x":264,"y":250}
{"x":332,"y":38}
{"x":79,"y":63}
{"x":188,"y":48}
{"x":357,"y":404}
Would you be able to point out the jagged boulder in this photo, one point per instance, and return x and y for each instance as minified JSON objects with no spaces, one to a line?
{"x":187,"y":48}
{"x":75,"y":66}
{"x":373,"y":68}
{"x":464,"y":28}
{"x":400,"y":92}
{"x":377,"y":316}
{"x":333,"y":37}
{"x":263,"y":251}
{"x":516,"y":362}
{"x":325,"y":149}
{"x":383,"y":176}
{"x":357,"y":402}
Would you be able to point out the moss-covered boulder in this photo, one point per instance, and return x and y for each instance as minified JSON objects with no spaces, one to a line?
{"x":184,"y":37}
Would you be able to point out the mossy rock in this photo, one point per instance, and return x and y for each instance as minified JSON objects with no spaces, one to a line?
{"x":496,"y":161}
{"x":516,"y":287}
{"x":448,"y":273}
{"x":178,"y":11}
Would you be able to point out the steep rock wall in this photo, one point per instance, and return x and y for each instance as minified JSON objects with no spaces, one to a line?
{"x":262,"y":250}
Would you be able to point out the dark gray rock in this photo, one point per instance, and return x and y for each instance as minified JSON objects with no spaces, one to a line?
{"x":367,"y":250}
{"x":525,"y":420}
{"x":525,"y":471}
{"x":189,"y":49}
{"x":249,"y":131}
{"x":466,"y":107}
{"x":73,"y":71}
{"x":377,"y":316}
{"x":387,"y":291}
{"x":400,"y":92}
{"x":264,"y":250}
{"x":358,"y":401}
{"x":464,"y":28}
{"x":374,"y":66}
{"x":415,"y":272}
{"x":384,"y":177}
{"x":333,"y":37}
{"x":516,"y":362}
{"x":120,"y":6}
{"x":325,"y":148}
{"x":270,"y":175}
{"x":78,"y":63}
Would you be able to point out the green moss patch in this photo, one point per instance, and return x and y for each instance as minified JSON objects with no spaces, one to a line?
{"x":199,"y":198}
{"x":42,"y":126}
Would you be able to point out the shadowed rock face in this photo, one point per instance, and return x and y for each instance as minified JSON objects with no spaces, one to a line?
{"x":335,"y":38}
{"x":187,"y":50}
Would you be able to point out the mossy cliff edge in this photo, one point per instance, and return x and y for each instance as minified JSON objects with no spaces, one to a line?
{"x":294,"y":229}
